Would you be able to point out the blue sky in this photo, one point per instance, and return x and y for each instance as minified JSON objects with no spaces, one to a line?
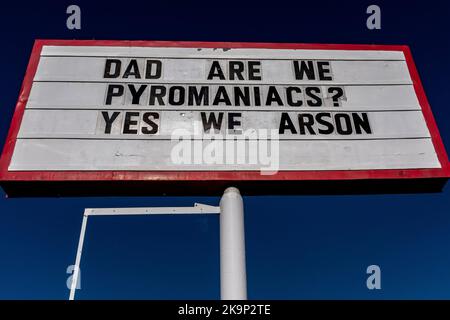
{"x":298,"y":247}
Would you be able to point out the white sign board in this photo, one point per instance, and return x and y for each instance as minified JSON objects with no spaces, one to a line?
{"x":124,"y":107}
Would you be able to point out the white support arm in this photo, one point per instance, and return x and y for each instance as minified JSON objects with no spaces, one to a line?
{"x":198,"y":208}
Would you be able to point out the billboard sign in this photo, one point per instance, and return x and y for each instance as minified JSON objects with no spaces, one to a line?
{"x":145,"y":117}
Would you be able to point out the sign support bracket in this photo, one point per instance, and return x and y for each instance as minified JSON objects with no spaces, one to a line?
{"x":233,"y":278}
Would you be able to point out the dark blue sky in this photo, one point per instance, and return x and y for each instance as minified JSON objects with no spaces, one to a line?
{"x":297,"y":247}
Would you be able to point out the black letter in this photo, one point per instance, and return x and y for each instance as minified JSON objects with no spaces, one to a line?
{"x":286,"y":124}
{"x":243,"y":96}
{"x":361,"y":123}
{"x":254,"y":71}
{"x":216,"y":71}
{"x":315,"y":100}
{"x":257,"y":95}
{"x":201,"y":98}
{"x":289,"y":99}
{"x":231,"y":121}
{"x":150,"y":122}
{"x":323,"y":68}
{"x":181,"y":95}
{"x":136,"y":95}
{"x":114,"y":90}
{"x":148,"y":71}
{"x":320,"y":120}
{"x":273,"y":96}
{"x":236,"y":68}
{"x":129,"y":122}
{"x":348,"y":124}
{"x":157,"y":92}
{"x":221,"y":97}
{"x":109,"y":120}
{"x":108,"y":74}
{"x":306,"y":120}
{"x":211,"y":121}
{"x":132,"y":70}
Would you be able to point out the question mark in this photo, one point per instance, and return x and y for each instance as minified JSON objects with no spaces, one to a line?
{"x":338,"y":93}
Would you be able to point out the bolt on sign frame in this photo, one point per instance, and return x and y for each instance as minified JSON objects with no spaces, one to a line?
{"x":19,"y":180}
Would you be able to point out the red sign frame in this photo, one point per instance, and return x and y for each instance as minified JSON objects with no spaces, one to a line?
{"x":37,"y":183}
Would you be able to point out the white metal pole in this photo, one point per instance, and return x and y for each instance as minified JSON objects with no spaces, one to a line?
{"x":76,"y":270}
{"x":233,"y":276}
